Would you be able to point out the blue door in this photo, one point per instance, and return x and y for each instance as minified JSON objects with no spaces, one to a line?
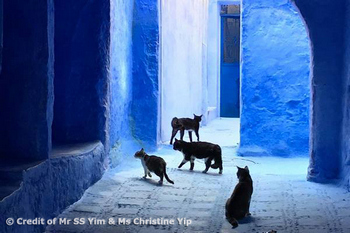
{"x":230,"y":62}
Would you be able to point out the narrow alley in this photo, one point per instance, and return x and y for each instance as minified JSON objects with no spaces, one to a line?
{"x":282,"y":200}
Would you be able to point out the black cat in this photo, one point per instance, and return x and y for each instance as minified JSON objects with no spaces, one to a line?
{"x":183,"y":124}
{"x":200,"y":150}
{"x":237,"y":206}
{"x":152,"y":163}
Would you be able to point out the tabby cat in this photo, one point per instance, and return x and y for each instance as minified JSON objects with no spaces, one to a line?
{"x":237,"y":206}
{"x":152,"y":163}
{"x":183,"y":124}
{"x":200,"y":150}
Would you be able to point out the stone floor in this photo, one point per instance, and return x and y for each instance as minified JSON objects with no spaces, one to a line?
{"x":282,"y":200}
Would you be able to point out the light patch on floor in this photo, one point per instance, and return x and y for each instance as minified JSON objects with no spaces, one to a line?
{"x":223,"y":131}
{"x":282,"y":200}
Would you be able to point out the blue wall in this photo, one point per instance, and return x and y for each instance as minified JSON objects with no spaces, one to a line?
{"x":81,"y":51}
{"x":49,"y":187}
{"x":120,"y":69}
{"x":1,"y":30}
{"x":133,"y":82}
{"x":275,"y":83}
{"x":346,"y":101}
{"x":327,"y":35}
{"x":144,"y":108}
{"x":26,"y":80}
{"x":81,"y":61}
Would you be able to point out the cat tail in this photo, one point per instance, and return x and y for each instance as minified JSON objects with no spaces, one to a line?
{"x":232,"y":221}
{"x":166,"y":176}
{"x":218,"y":158}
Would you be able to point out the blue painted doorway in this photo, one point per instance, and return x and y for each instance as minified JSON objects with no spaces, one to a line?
{"x":230,"y":64}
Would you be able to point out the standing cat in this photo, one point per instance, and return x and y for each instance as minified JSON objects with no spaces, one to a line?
{"x":152,"y":163}
{"x":237,"y":206}
{"x":200,"y":150}
{"x":183,"y":124}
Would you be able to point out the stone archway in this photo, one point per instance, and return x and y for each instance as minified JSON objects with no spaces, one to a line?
{"x":325,"y":23}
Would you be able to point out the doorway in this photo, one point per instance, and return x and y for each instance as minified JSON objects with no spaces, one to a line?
{"x":230,"y":61}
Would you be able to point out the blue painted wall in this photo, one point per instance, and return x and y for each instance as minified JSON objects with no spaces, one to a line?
{"x":120,"y":69}
{"x":26,"y":80}
{"x":327,"y":35}
{"x":345,"y":146}
{"x":81,"y":61}
{"x":144,"y":106}
{"x":50,"y":187}
{"x":275,"y":83}
{"x":120,"y":80}
{"x":1,"y":30}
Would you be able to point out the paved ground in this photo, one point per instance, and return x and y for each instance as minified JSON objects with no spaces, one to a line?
{"x":283,"y":200}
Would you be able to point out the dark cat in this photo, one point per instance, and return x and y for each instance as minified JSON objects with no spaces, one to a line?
{"x":183,"y":124}
{"x":237,"y":206}
{"x":152,"y":163}
{"x":200,"y":150}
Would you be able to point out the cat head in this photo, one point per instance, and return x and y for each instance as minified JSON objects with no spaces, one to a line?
{"x":242,"y":172}
{"x":178,"y":145}
{"x":197,"y":118}
{"x":140,"y":154}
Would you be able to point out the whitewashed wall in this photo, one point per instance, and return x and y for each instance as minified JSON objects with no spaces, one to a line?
{"x":183,"y":61}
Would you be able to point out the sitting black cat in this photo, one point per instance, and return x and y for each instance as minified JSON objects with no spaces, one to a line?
{"x":152,"y":163}
{"x":237,"y":206}
{"x":200,"y":150}
{"x":183,"y":124}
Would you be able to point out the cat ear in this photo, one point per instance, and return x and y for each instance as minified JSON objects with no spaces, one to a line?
{"x":201,"y":116}
{"x":194,"y":115}
{"x":246,"y":168}
{"x":142,"y":150}
{"x":176,"y":140}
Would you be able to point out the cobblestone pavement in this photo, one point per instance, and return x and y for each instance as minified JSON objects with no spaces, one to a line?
{"x":282,"y":200}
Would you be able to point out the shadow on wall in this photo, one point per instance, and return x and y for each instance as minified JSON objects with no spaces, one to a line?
{"x":1,"y":31}
{"x":133,"y":83}
{"x":80,"y":89}
{"x":329,"y":137}
{"x":275,"y":83}
{"x":346,"y":102}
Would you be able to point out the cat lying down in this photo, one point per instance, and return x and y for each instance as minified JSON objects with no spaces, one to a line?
{"x":237,"y":206}
{"x":152,"y":163}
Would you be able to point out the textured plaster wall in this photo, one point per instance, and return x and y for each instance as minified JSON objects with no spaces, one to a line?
{"x":50,"y":187}
{"x":183,"y":39}
{"x":121,"y":139}
{"x":81,"y":61}
{"x":275,"y":83}
{"x":26,"y":93}
{"x":345,"y":147}
{"x":144,"y":105}
{"x":327,"y":35}
{"x":120,"y":69}
{"x":1,"y":31}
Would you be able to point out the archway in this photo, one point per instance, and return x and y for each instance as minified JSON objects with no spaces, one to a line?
{"x":327,"y":39}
